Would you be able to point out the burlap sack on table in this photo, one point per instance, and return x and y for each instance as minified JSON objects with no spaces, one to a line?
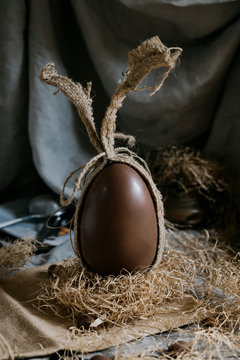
{"x":27,"y":332}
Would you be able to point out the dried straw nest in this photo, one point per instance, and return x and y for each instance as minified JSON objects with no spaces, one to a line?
{"x":73,"y":291}
{"x":184,"y":170}
{"x":208,"y":272}
{"x":196,"y":264}
{"x":187,"y":170}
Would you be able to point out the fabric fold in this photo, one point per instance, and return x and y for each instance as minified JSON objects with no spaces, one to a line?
{"x":27,"y":332}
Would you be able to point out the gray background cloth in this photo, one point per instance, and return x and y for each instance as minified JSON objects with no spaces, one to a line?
{"x":42,"y":137}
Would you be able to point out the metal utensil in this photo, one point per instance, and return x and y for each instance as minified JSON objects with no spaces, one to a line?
{"x":40,"y":208}
{"x":50,"y":227}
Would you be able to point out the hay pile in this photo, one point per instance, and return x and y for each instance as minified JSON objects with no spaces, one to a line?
{"x":199,"y":343}
{"x":195,"y":264}
{"x":182,"y":171}
{"x":187,"y":170}
{"x":15,"y":254}
{"x":74,"y":291}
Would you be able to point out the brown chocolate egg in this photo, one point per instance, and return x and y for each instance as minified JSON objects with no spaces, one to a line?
{"x":117,"y":223}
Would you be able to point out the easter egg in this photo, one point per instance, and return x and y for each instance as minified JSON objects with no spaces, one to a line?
{"x":116,"y":224}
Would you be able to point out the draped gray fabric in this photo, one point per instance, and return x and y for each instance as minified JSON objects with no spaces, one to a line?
{"x":89,"y":41}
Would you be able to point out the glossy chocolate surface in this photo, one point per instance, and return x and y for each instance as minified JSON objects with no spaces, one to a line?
{"x":117,"y":222}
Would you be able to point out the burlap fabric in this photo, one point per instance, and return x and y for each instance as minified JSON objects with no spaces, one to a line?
{"x":27,"y":332}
